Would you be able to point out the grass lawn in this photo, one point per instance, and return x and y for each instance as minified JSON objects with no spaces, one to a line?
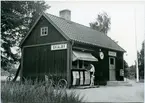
{"x":37,"y":93}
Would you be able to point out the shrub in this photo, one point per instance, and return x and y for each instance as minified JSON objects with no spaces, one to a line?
{"x":28,"y":93}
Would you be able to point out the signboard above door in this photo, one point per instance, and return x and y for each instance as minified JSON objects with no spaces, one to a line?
{"x":58,"y":46}
{"x":111,"y":53}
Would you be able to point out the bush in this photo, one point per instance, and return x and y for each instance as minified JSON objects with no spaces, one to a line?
{"x":28,"y":93}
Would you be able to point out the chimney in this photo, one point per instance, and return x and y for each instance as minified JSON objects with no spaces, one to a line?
{"x":66,"y":14}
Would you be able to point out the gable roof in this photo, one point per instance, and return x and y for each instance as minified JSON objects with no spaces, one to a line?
{"x":81,"y":33}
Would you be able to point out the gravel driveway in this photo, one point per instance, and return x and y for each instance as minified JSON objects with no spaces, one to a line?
{"x":133,"y":93}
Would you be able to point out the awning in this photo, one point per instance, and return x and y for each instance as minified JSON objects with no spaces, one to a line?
{"x":77,"y":55}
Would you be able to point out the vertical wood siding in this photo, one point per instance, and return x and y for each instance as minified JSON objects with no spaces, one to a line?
{"x":40,"y":60}
{"x":102,"y":66}
{"x":35,"y":38}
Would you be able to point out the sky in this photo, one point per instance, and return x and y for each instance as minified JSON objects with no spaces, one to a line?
{"x":125,"y":17}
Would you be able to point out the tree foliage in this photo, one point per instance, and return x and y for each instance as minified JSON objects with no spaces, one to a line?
{"x":102,"y":23}
{"x":16,"y":19}
{"x":125,"y":64}
{"x":126,"y":69}
{"x":132,"y":69}
{"x":141,"y":61}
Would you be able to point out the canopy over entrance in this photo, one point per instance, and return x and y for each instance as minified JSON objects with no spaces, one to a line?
{"x":77,"y":55}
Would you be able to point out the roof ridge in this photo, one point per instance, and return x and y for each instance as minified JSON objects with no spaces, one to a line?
{"x":91,"y":30}
{"x":75,"y":23}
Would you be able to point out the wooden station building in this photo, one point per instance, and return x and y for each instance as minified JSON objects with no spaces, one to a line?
{"x":57,"y":46}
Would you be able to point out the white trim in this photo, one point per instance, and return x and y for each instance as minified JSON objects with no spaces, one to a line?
{"x":43,"y":30}
{"x":61,"y":32}
{"x":46,"y":44}
{"x":30,"y":30}
{"x":43,"y":14}
{"x":110,"y":69}
{"x":59,"y":46}
{"x":113,"y":60}
{"x":111,"y":53}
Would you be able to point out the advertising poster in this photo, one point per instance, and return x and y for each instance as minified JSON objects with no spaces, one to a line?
{"x":75,"y":78}
{"x":81,"y":78}
{"x":87,"y":77}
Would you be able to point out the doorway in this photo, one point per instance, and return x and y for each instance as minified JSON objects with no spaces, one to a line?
{"x":112,"y":73}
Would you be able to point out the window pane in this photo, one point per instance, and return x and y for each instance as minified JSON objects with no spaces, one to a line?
{"x":44,"y":31}
{"x":111,"y":61}
{"x":80,"y":64}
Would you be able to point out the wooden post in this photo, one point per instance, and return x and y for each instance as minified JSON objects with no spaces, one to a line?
{"x":21,"y":68}
{"x":123,"y":64}
{"x":69,"y":63}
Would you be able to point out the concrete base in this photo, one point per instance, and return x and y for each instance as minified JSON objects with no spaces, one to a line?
{"x":86,"y":87}
{"x":118,"y":83}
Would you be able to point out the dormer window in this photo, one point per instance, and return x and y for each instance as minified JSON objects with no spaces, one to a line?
{"x":44,"y":31}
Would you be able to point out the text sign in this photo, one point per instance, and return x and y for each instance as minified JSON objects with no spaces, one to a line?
{"x":110,"y":53}
{"x":121,"y":72}
{"x":58,"y":46}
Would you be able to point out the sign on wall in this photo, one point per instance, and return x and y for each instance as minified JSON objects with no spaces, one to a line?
{"x":75,"y":78}
{"x":58,"y":46}
{"x":101,"y":55}
{"x":87,"y":77}
{"x":121,"y":72}
{"x":110,"y":53}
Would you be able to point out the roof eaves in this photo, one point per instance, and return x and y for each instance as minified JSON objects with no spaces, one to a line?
{"x":117,"y":44}
{"x":59,"y":29}
{"x":96,"y":45}
{"x":30,"y":30}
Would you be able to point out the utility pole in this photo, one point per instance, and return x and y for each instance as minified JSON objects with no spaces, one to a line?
{"x":137,"y":70}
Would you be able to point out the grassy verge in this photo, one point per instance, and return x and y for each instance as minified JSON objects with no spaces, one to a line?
{"x":36,"y":93}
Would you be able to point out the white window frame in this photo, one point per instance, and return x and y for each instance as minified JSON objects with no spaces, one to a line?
{"x":43,"y":30}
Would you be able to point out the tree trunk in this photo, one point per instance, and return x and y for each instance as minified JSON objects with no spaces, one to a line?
{"x":17,"y":73}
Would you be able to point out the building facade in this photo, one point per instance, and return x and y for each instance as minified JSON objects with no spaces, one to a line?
{"x":62,"y":48}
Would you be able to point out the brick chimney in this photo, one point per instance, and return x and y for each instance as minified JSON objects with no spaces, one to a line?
{"x":66,"y":14}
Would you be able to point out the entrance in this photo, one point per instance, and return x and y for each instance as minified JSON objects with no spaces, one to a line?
{"x":112,"y":74}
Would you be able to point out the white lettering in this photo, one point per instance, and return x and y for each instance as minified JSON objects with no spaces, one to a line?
{"x":58,"y":46}
{"x":110,"y":53}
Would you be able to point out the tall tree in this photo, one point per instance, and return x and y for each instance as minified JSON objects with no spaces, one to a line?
{"x":141,"y":61}
{"x":16,"y":19}
{"x":126,"y":74}
{"x":102,"y":23}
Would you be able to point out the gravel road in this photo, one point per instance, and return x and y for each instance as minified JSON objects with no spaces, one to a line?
{"x":134,"y":93}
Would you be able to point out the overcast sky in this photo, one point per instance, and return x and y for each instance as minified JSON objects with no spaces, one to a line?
{"x":122,"y":15}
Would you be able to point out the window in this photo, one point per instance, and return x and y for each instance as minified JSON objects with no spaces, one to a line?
{"x":44,"y":31}
{"x":111,"y":61}
{"x":80,"y":64}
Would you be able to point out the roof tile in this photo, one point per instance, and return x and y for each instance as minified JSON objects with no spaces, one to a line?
{"x":84,"y":34}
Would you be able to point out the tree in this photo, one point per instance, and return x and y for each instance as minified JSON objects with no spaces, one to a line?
{"x":132,"y":72}
{"x":125,"y":64}
{"x":16,"y":19}
{"x":126,"y":72}
{"x":141,"y":62}
{"x":102,"y":23}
